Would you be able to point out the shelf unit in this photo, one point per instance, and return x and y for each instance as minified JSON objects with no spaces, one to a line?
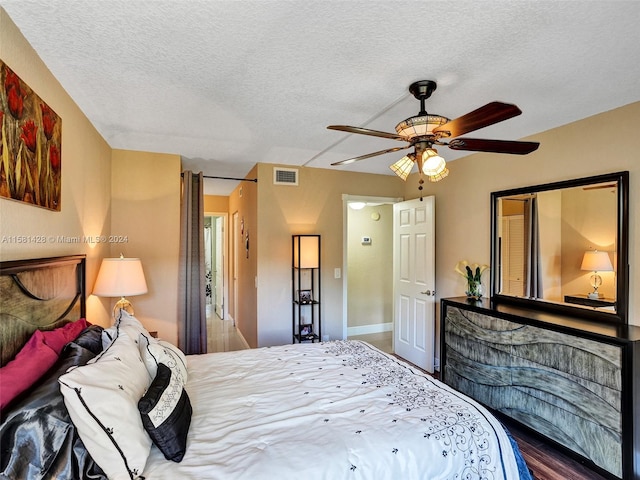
{"x":306,"y":291}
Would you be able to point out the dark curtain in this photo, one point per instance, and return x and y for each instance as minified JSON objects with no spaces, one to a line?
{"x":533,"y":277}
{"x":192,"y":326}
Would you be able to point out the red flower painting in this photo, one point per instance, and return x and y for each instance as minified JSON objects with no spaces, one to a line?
{"x":29,"y":131}
{"x":30,"y":144}
{"x":15,"y":94}
{"x":54,"y":157}
{"x":49,"y":118}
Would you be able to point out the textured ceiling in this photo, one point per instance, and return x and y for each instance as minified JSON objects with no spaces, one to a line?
{"x":227,"y":84}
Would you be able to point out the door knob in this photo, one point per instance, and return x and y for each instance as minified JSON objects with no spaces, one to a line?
{"x":428,"y":292}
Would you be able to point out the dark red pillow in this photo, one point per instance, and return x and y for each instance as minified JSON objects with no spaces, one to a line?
{"x":31,"y":363}
{"x":59,"y":337}
{"x":34,"y":359}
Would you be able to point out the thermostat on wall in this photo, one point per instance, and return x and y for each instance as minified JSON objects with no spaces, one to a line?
{"x":366,"y":240}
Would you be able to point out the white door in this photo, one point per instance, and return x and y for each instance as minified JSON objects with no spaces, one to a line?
{"x":414,"y":281}
{"x":219,"y":267}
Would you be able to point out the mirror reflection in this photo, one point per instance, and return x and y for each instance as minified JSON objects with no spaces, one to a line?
{"x":560,"y":244}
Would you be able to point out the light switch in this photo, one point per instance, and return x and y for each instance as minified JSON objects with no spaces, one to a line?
{"x":337,"y":273}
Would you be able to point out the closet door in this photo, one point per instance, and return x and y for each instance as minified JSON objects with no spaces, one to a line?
{"x":513,"y":254}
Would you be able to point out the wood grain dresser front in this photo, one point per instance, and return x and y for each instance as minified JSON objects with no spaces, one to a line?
{"x":569,"y":380}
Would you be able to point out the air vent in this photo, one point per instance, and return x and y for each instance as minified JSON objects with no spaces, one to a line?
{"x":285,"y":176}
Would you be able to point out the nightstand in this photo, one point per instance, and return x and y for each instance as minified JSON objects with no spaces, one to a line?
{"x":580,"y":299}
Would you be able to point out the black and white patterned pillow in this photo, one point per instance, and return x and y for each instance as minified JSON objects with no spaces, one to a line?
{"x":166,"y":413}
{"x":154,"y":352}
{"x":102,"y":400}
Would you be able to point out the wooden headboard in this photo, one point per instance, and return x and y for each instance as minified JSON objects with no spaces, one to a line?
{"x":38,"y":294}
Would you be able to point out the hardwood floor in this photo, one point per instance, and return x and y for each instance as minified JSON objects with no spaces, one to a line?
{"x":546,"y":462}
{"x":222,"y":335}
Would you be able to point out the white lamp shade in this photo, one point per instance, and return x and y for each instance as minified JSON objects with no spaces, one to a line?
{"x":432,"y":163}
{"x":306,"y":252}
{"x":403,"y":167}
{"x":595,"y":261}
{"x":120,"y":277}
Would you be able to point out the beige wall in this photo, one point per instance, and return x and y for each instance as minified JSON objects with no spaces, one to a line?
{"x":592,"y":227}
{"x":572,"y":151}
{"x":243,"y":201}
{"x":145,"y":210}
{"x":216,"y":204}
{"x":550,"y":217}
{"x":86,"y":178}
{"x":314,"y":206}
{"x":369,"y":267}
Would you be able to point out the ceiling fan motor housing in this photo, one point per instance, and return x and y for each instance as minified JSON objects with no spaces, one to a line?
{"x":420,"y":126}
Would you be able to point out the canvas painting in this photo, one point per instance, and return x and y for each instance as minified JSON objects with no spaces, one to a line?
{"x":30,"y":147}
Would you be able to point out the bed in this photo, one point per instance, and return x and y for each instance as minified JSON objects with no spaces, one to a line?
{"x":118,"y":403}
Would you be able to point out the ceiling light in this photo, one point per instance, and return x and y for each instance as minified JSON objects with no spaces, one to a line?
{"x":432,"y":163}
{"x":403,"y":167}
{"x":357,"y":205}
{"x":420,"y":125}
{"x":439,"y":176}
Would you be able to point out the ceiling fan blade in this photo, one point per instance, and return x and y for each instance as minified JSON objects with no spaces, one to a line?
{"x":366,"y":131}
{"x":491,"y":113}
{"x":495,"y":146}
{"x":369,"y":155}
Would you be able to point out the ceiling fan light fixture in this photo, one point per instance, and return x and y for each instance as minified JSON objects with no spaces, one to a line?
{"x":432,"y":163}
{"x":420,"y":126}
{"x":403,"y":167}
{"x":438,"y":177}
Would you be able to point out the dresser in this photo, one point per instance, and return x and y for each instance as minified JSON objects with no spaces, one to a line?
{"x":571,"y":380}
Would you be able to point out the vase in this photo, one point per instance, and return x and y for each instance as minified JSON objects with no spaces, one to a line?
{"x":474,"y":289}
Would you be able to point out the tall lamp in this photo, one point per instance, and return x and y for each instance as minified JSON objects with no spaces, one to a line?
{"x":595,"y":262}
{"x":120,"y":277}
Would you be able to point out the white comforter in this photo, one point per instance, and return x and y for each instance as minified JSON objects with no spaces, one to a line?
{"x":337,"y":410}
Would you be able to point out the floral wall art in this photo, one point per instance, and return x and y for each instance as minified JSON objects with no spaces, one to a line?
{"x":30,"y":147}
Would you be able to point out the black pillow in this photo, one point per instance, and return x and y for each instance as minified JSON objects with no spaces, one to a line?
{"x":167,"y":419}
{"x":91,"y":338}
{"x":37,"y":437}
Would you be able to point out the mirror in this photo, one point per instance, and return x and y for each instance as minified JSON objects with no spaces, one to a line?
{"x":563,"y":246}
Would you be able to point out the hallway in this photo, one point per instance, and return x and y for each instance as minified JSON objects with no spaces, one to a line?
{"x":222,"y":336}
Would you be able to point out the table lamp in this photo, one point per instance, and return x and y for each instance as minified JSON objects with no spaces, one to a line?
{"x":596,"y":261}
{"x":120,"y":277}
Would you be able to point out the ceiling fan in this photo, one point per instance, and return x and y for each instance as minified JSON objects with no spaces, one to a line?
{"x":423,"y":131}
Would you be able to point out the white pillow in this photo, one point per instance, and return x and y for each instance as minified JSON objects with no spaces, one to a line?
{"x":127,"y":322}
{"x":154,"y":351}
{"x":102,"y":400}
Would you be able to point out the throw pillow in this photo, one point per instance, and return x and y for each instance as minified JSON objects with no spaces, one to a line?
{"x":166,"y":413}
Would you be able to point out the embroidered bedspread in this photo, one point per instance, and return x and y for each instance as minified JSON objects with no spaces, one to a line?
{"x":336,"y":410}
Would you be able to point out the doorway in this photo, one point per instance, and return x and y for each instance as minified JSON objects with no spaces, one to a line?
{"x":367,"y":262}
{"x":214,"y":263}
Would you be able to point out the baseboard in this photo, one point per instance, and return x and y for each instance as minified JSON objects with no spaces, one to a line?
{"x":367,"y":329}
{"x":242,"y":339}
